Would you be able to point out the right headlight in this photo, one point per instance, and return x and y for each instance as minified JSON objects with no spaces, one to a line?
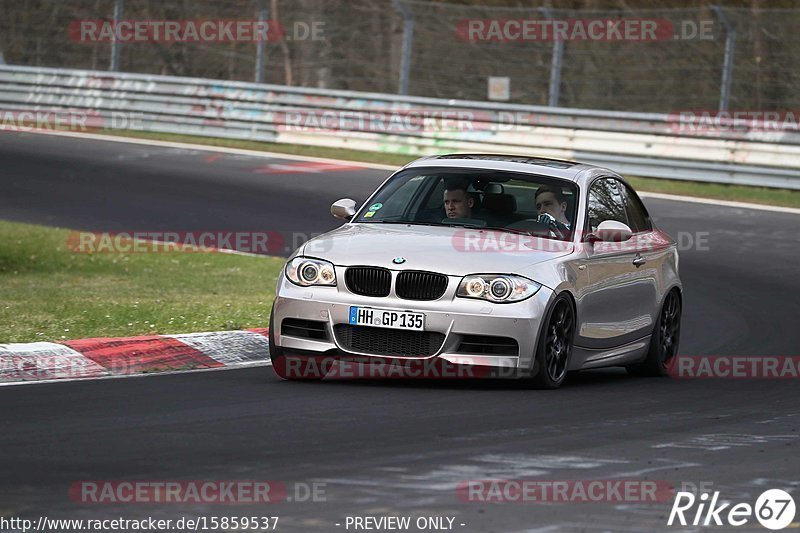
{"x":305,"y":271}
{"x":497,"y":288}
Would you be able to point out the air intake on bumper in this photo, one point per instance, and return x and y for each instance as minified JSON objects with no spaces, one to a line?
{"x":389,"y":342}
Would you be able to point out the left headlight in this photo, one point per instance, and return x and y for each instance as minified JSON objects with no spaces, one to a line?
{"x":497,"y":288}
{"x":305,"y":272}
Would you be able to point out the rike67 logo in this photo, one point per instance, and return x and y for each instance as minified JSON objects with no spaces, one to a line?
{"x":774,"y":509}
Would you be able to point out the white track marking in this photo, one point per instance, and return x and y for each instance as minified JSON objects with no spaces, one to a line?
{"x":721,"y":203}
{"x":44,"y":361}
{"x":240,"y":348}
{"x":724,"y":441}
{"x":126,"y":376}
{"x":49,"y":362}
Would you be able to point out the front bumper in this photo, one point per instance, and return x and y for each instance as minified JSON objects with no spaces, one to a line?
{"x":453,"y":317}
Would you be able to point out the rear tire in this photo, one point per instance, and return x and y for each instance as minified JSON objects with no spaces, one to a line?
{"x":554,"y":346}
{"x":663,"y":341}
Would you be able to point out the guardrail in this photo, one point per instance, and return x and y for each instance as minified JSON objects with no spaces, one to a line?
{"x":643,"y":144}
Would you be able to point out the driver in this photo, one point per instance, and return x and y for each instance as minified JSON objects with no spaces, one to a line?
{"x":458,"y":203}
{"x":552,"y":207}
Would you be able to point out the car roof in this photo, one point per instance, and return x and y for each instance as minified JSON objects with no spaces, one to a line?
{"x":542,"y":166}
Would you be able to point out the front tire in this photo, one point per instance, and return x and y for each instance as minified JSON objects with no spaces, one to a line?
{"x":663,"y":341}
{"x":554,"y":347}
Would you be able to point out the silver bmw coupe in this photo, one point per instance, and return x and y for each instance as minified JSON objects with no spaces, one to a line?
{"x":472,"y":265}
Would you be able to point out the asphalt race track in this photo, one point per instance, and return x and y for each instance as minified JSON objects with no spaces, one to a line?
{"x":397,"y":448}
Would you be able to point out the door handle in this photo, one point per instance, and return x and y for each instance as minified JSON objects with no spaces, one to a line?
{"x":639,"y":261}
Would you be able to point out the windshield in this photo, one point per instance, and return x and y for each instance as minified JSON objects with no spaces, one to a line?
{"x":488,"y":199}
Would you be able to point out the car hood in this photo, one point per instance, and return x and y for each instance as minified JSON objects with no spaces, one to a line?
{"x":450,"y":250}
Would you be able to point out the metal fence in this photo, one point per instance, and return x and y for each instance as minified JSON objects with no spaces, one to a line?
{"x":723,"y":57}
{"x":634,"y":143}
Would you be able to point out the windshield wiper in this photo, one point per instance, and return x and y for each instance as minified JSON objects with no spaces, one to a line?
{"x":511,"y":230}
{"x":435,"y":224}
{"x":409,"y":222}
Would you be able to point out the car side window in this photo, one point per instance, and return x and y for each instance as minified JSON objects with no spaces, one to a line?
{"x":605,"y":203}
{"x":637,"y":213}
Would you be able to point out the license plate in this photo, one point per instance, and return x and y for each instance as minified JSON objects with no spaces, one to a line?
{"x":387,"y":318}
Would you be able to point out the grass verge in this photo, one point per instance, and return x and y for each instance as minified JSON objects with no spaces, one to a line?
{"x":736,"y":193}
{"x":48,"y":293}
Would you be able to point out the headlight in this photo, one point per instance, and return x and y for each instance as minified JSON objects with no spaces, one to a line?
{"x":305,"y":272}
{"x":497,"y":288}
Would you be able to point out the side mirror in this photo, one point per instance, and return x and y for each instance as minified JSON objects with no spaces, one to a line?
{"x":613,"y":231}
{"x":344,"y":208}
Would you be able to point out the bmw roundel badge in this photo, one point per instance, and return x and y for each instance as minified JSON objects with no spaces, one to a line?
{"x":399,"y":260}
